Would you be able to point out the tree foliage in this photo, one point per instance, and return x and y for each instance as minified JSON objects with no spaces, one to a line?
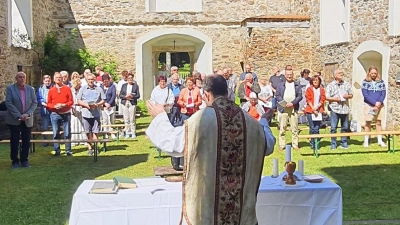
{"x":101,"y":58}
{"x":63,"y":55}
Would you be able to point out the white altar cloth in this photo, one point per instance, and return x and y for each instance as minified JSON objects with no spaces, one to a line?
{"x":312,"y":204}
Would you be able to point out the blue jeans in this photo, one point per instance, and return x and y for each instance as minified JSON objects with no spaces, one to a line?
{"x":273,"y":100}
{"x":344,"y":123}
{"x":56,"y":121}
{"x":314,"y":128}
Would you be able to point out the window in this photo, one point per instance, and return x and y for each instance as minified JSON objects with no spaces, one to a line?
{"x":334,"y":21}
{"x":394,"y":18}
{"x":174,"y":6}
{"x":20,"y":24}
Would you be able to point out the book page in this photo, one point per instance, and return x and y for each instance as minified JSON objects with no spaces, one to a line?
{"x":341,"y":94}
{"x":283,"y":103}
{"x":316,"y":117}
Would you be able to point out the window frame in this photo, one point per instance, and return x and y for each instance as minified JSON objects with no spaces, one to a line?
{"x":344,"y":23}
{"x":10,"y":26}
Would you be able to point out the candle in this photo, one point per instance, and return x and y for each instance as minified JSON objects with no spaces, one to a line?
{"x":301,"y":167}
{"x":275,"y":169}
{"x":288,"y":153}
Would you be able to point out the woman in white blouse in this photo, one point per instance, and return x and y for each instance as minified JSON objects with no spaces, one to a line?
{"x":265,"y":96}
{"x":162,"y":95}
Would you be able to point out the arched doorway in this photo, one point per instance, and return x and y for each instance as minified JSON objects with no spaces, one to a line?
{"x":149,"y":46}
{"x":369,"y":53}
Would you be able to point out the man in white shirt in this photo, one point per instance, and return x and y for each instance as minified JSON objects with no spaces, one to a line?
{"x":288,"y":96}
{"x":206,"y":143}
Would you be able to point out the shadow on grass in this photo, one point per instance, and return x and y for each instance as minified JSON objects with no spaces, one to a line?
{"x":370,"y":192}
{"x":117,"y":147}
{"x":51,"y":183}
{"x":348,"y":152}
{"x":327,"y":142}
{"x":84,"y":148}
{"x":141,"y":133}
{"x":162,"y":157}
{"x":142,"y":125}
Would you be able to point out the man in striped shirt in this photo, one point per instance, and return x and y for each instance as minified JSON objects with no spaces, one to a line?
{"x":338,"y":93}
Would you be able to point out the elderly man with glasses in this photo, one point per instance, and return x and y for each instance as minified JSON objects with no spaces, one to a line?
{"x":174,"y":70}
{"x":252,"y":107}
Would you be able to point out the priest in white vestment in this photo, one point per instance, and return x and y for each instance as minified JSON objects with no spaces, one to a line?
{"x":224,"y":151}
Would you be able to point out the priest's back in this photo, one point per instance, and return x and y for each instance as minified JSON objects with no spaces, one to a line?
{"x":224,"y":154}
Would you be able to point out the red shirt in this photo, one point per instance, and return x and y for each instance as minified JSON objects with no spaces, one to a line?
{"x":248,"y":90}
{"x":61,"y":95}
{"x":99,"y":78}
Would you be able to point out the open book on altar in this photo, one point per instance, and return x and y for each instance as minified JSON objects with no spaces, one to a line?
{"x":104,"y":187}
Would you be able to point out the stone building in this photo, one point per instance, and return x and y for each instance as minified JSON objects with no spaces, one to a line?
{"x":320,"y":35}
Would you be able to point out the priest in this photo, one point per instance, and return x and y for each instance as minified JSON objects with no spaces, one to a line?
{"x":224,"y":151}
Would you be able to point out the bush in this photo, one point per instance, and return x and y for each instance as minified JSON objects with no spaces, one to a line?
{"x":58,"y":56}
{"x":141,"y":106}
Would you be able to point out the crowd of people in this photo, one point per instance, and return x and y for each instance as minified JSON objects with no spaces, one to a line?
{"x":305,"y":99}
{"x":80,"y":104}
{"x":75,"y":107}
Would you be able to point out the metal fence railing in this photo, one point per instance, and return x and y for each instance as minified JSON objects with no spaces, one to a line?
{"x":184,"y":75}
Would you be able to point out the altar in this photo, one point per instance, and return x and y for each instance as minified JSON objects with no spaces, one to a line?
{"x":311,"y":204}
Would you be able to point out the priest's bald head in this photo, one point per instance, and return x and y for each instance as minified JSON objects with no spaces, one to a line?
{"x":215,"y":86}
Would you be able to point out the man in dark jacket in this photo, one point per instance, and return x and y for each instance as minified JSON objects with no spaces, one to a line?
{"x":129,"y":95}
{"x":288,"y":96}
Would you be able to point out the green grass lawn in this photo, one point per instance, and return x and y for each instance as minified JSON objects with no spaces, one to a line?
{"x":43,"y":193}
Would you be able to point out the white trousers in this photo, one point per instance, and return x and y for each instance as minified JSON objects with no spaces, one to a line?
{"x":107,"y":120}
{"x":129,"y":112}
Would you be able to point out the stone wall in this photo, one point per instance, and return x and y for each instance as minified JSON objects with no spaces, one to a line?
{"x":227,"y":43}
{"x":10,"y":56}
{"x":280,"y":47}
{"x":120,"y":24}
{"x":133,"y":12}
{"x":368,"y":21}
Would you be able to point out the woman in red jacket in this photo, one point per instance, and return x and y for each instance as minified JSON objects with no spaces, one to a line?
{"x":315,"y":98}
{"x":189,"y":99}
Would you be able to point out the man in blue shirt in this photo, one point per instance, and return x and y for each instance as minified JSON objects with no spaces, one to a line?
{"x":91,"y":98}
